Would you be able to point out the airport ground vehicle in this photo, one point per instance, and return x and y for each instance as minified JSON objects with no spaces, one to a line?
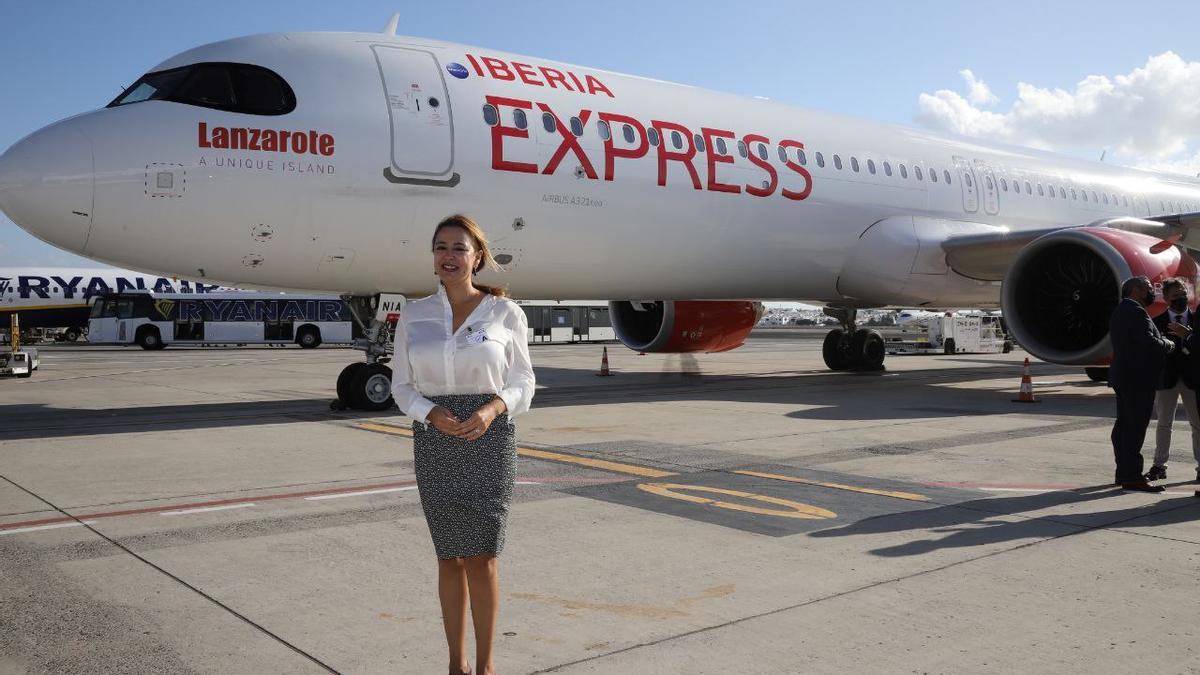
{"x":19,"y":363}
{"x":564,"y":321}
{"x":952,"y":335}
{"x":154,"y":321}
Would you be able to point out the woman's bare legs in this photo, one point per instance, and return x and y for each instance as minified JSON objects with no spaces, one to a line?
{"x":484,"y":582}
{"x":452,"y":592}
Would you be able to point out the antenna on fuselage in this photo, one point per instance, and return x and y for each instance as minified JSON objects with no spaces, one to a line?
{"x":390,"y":28}
{"x":1103,"y":153}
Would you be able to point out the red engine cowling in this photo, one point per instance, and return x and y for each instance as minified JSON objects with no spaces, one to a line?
{"x":684,"y":325}
{"x":1061,"y":289}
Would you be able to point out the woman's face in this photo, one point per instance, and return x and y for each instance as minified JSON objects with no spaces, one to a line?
{"x":454,"y":255}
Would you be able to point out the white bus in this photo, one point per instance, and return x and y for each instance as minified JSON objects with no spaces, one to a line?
{"x":153,"y":321}
{"x":565,"y":321}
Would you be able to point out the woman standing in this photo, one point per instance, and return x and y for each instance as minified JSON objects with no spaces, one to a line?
{"x":461,"y":371}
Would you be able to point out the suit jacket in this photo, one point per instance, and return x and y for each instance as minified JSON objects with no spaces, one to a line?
{"x":1179,"y":365}
{"x":1139,"y":349}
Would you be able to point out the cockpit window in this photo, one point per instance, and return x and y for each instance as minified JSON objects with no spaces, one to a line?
{"x":235,"y":87}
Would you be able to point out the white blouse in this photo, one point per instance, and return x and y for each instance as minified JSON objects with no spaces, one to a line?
{"x":489,"y":354}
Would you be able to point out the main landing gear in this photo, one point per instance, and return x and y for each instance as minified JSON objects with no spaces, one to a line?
{"x":366,"y":386}
{"x":852,"y":348}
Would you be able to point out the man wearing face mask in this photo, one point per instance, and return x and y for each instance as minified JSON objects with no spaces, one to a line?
{"x":1177,"y":379}
{"x":1139,"y":352}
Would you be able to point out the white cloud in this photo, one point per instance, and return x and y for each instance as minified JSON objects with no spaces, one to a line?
{"x":1149,"y":117}
{"x":978,"y":93}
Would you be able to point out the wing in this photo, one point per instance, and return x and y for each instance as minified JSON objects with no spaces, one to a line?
{"x":987,"y":255}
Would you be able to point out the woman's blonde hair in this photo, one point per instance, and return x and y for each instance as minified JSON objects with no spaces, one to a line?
{"x":475,"y":232}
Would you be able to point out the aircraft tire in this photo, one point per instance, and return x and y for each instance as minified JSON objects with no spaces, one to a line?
{"x":1097,"y":374}
{"x":71,"y":334}
{"x":345,"y":381}
{"x":372,"y":387}
{"x":308,"y":337}
{"x":948,"y":346}
{"x":868,"y":349}
{"x":834,"y":350}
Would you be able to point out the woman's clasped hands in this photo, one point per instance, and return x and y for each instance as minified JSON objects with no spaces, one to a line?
{"x":470,"y":429}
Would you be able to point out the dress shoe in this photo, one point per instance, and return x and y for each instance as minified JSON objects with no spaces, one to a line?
{"x":1142,"y":486}
{"x":1157,"y":472}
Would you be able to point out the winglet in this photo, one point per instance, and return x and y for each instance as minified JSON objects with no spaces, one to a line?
{"x":390,"y":28}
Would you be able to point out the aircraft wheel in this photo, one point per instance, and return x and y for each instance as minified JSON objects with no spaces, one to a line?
{"x":71,"y":334}
{"x":1097,"y":374}
{"x":372,"y":387}
{"x":868,"y":349}
{"x":948,"y":346}
{"x":345,"y":381}
{"x":835,"y":350}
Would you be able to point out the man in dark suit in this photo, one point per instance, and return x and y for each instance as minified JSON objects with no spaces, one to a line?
{"x":1139,"y":352}
{"x":1178,"y":379}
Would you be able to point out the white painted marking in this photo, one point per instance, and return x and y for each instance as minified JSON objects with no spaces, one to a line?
{"x":528,"y":482}
{"x":206,"y":509}
{"x":46,"y":527}
{"x":361,"y":493}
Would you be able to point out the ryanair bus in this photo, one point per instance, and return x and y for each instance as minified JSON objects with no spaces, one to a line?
{"x":154,"y":321}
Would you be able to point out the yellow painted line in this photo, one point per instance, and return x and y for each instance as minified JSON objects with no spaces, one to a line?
{"x":385,"y":428}
{"x":792,"y":509}
{"x":912,"y":497}
{"x":602,"y":464}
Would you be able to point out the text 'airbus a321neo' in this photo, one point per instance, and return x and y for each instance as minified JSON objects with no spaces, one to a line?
{"x":321,"y":161}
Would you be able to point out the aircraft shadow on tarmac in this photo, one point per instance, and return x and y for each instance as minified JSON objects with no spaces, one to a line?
{"x":824,"y":395}
{"x":983,"y":522}
{"x":837,"y":396}
{"x":24,"y":421}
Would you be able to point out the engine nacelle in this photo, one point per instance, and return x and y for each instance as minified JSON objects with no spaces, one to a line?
{"x":1061,"y":289}
{"x":684,"y":325}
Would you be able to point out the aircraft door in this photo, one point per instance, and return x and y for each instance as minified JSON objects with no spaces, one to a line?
{"x":966,"y":179}
{"x":991,"y":196}
{"x":422,"y":130}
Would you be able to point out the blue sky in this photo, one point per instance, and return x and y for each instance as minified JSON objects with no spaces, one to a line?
{"x":868,"y":59}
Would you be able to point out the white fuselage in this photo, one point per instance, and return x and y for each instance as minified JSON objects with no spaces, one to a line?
{"x":352,"y":207}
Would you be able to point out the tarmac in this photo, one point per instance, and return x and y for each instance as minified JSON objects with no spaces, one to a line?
{"x":205,"y":511}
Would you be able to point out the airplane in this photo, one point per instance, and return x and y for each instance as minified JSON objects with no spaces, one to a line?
{"x":322,"y":161}
{"x":58,"y":297}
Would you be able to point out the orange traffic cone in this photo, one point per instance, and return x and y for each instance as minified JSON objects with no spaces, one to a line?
{"x":604,"y":372}
{"x":1026,"y":395}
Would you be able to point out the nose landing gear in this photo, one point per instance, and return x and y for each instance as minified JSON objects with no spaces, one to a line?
{"x":366,"y":385}
{"x":850,"y":347}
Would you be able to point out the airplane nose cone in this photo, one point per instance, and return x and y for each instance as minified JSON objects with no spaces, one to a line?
{"x":47,"y":185}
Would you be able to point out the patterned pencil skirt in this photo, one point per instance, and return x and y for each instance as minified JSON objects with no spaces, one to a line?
{"x":465,"y":486}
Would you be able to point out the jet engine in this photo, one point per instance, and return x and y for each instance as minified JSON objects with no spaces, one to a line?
{"x":684,"y":325}
{"x":1062,"y":288}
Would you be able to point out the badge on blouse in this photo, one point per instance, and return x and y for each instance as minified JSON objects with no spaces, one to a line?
{"x":476,"y":337}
